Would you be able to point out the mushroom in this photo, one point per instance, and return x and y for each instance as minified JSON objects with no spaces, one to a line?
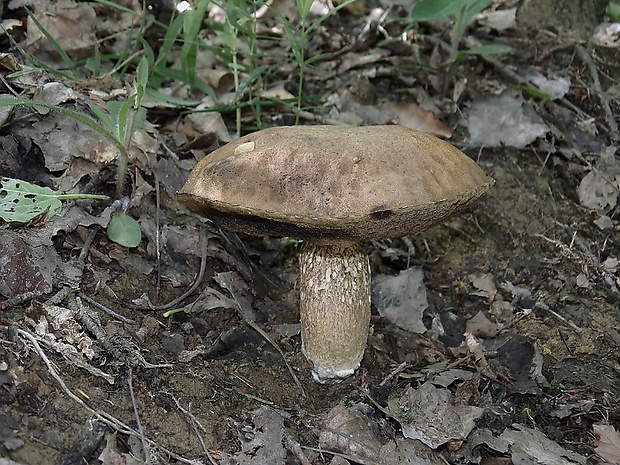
{"x":336,"y":188}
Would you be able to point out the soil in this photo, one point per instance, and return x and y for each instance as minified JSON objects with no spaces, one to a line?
{"x":195,"y":380}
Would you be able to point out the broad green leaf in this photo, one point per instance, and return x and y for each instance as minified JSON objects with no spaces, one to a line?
{"x":139,"y":117}
{"x":21,"y":201}
{"x":124,"y":230}
{"x":142,"y":80}
{"x":103,"y":116}
{"x":613,"y":11}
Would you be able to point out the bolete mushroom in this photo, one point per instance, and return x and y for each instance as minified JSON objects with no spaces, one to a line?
{"x":336,"y":188}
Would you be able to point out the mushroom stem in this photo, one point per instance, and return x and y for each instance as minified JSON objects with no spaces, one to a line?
{"x":334,"y":284}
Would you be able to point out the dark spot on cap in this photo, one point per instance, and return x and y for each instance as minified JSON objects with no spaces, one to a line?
{"x":381,"y":214}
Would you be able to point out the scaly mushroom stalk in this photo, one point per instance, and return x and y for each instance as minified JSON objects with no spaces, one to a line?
{"x":334,"y":285}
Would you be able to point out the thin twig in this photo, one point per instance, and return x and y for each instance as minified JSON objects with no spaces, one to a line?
{"x":61,"y":295}
{"x":197,"y":425}
{"x":102,"y":416}
{"x":19,"y":299}
{"x":394,"y":372}
{"x":145,"y":445}
{"x":107,"y":310}
{"x":204,"y":239}
{"x":158,"y":231}
{"x":87,"y":243}
{"x":244,"y":307}
{"x":296,"y":449}
{"x":260,"y":331}
{"x":544,"y":306}
{"x":596,"y":82}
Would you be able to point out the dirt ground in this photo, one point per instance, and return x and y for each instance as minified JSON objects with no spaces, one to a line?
{"x":538,"y":266}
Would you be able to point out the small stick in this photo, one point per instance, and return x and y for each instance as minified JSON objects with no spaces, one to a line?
{"x":203,"y":265}
{"x":158,"y":231}
{"x":544,"y":306}
{"x":145,"y":446}
{"x":19,"y":299}
{"x":107,"y":310}
{"x":394,"y":372}
{"x":609,"y":116}
{"x":295,"y":448}
{"x":87,"y":243}
{"x":102,"y":416}
{"x":196,"y":425}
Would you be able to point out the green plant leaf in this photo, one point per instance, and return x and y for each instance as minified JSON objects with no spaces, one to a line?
{"x":474,"y":7}
{"x":124,"y":230}
{"x":69,"y":63}
{"x":87,"y":120}
{"x":431,"y":10}
{"x":21,"y":201}
{"x":532,"y":92}
{"x":142,"y":80}
{"x":490,"y":49}
{"x":303,"y":7}
{"x":103,"y":116}
{"x":613,"y":11}
{"x":169,"y":313}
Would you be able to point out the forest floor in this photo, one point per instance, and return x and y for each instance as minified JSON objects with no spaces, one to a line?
{"x":518,"y":355}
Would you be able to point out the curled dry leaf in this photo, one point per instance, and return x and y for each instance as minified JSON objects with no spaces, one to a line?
{"x":348,"y":431}
{"x":413,"y":116}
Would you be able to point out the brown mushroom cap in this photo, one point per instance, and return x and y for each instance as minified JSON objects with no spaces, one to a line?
{"x":334,"y":183}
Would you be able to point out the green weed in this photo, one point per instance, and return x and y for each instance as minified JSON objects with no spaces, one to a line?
{"x":461,"y":12}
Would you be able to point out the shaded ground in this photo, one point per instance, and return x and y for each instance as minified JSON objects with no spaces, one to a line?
{"x":540,"y":265}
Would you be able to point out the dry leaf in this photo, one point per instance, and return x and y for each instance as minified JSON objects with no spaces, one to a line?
{"x":608,"y":444}
{"x":348,"y":431}
{"x":411,"y":115}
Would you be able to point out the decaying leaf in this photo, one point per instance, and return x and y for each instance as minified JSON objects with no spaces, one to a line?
{"x":71,"y":24}
{"x":266,"y":446}
{"x":608,"y":444}
{"x":531,"y":446}
{"x":503,"y":120}
{"x":479,"y":325}
{"x":349,"y":431}
{"x":401,"y":299}
{"x":484,"y":284}
{"x":401,"y":451}
{"x":30,"y":264}
{"x":429,"y":415}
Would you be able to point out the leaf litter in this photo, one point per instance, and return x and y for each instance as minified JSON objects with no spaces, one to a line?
{"x":510,"y":328}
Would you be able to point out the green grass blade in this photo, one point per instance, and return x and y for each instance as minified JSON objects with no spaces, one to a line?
{"x":69,"y":63}
{"x":86,"y":120}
